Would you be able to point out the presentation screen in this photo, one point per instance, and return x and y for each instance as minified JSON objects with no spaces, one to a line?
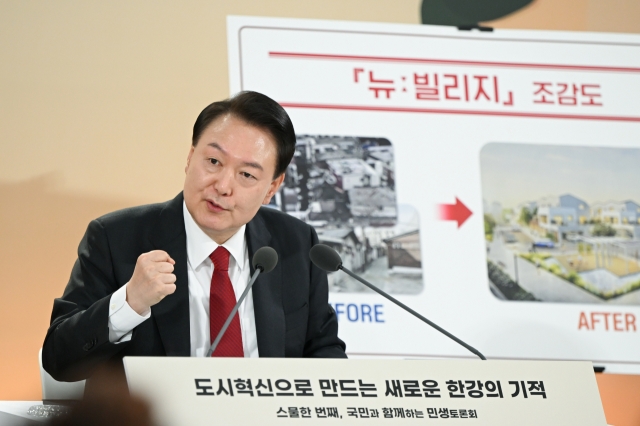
{"x":488,"y":180}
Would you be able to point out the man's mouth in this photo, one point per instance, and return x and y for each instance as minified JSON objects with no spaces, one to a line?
{"x":214,"y":207}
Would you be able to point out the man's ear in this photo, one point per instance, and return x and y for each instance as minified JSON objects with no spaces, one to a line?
{"x":189,"y":158}
{"x":273,"y":188}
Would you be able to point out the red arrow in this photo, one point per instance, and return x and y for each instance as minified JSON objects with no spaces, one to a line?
{"x":458,"y":212}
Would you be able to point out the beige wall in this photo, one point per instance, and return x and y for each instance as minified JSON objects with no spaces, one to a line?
{"x":97,"y":100}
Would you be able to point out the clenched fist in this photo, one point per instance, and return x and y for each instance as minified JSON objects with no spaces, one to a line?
{"x":152,"y":280}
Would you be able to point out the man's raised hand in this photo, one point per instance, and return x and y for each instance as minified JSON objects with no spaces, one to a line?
{"x":152,"y":281}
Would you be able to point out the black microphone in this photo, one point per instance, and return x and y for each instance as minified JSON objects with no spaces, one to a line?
{"x":324,"y":257}
{"x":264,"y":260}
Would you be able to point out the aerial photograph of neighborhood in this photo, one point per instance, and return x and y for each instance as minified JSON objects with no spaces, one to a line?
{"x":562,"y":223}
{"x":345,"y":188}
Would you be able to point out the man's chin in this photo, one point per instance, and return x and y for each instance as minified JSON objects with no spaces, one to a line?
{"x":214,"y":223}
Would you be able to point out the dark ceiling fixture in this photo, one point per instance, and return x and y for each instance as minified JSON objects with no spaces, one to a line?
{"x":467,"y":14}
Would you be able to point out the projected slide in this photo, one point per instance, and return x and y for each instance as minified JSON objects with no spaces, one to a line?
{"x":491,"y":181}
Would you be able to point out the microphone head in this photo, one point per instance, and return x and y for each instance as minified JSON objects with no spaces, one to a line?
{"x":265,"y":259}
{"x":324,"y":257}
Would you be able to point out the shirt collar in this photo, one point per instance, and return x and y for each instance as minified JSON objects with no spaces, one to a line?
{"x":200,"y":245}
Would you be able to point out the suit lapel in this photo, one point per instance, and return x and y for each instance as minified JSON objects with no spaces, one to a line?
{"x":267,"y":295}
{"x":172,"y":313}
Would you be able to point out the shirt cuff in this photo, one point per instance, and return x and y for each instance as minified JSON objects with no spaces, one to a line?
{"x":122,"y":318}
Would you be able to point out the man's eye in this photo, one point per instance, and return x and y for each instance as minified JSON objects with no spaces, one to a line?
{"x":246,"y":175}
{"x":213,"y":161}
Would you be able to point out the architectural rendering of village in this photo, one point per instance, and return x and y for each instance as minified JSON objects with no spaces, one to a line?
{"x":565,"y":247}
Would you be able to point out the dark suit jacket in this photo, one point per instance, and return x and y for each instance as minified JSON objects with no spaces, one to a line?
{"x":293,"y":317}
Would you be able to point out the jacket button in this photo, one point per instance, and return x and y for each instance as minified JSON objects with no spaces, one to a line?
{"x":88,"y":346}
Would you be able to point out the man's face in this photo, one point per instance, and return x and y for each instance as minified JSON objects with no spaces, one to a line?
{"x":229,"y":174}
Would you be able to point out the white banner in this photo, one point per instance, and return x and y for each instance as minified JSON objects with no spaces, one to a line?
{"x":488,"y":180}
{"x":199,"y":391}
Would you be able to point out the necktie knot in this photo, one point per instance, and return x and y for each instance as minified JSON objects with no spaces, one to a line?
{"x":220,"y":259}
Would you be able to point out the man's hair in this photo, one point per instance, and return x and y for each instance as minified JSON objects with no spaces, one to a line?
{"x":257,"y":110}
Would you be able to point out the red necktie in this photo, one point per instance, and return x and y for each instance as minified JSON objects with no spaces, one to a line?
{"x":221,"y":301}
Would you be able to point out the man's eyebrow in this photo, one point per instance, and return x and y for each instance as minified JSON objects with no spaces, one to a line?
{"x":216,"y":146}
{"x":246,"y":163}
{"x":253,"y":165}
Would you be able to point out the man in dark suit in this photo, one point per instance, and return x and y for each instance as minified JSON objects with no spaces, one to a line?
{"x":160,"y":279}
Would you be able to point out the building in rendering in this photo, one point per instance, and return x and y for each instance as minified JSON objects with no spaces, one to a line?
{"x":563,"y":215}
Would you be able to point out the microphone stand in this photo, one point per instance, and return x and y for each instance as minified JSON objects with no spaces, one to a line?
{"x":411,"y":311}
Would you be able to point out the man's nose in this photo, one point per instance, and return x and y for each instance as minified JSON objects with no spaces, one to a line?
{"x":224,"y":182}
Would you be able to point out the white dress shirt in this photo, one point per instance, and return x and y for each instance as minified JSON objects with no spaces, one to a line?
{"x":123,"y":319}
